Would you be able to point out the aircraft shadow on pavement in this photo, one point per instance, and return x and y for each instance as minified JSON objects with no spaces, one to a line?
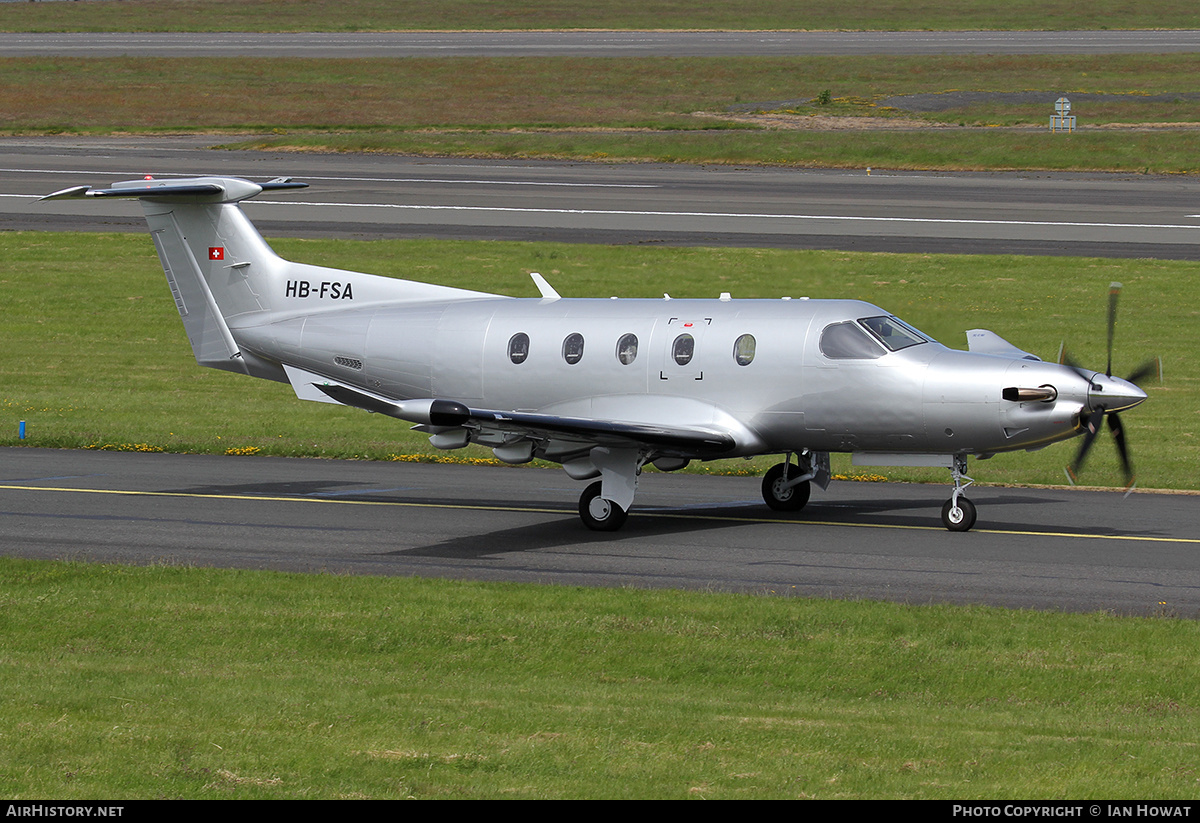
{"x":563,"y":532}
{"x":997,"y":512}
{"x":665,"y":521}
{"x":654,"y":522}
{"x":283,"y":488}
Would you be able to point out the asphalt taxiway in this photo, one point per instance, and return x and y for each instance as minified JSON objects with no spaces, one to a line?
{"x":1057,"y":549}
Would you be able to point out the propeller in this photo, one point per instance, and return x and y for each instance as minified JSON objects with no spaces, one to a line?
{"x":1107,"y":398}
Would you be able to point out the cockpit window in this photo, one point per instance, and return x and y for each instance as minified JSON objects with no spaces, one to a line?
{"x":847,"y":341}
{"x":893,"y":333}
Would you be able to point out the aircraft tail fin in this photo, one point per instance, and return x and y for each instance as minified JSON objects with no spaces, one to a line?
{"x":223,"y":275}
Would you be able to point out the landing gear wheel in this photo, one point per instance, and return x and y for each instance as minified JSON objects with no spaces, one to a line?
{"x":778,"y":496}
{"x":599,"y":514}
{"x":958,"y":518}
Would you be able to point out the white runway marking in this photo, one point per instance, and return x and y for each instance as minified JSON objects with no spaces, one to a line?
{"x":731,"y":215}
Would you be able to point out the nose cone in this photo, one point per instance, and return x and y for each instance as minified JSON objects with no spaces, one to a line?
{"x":1113,"y":393}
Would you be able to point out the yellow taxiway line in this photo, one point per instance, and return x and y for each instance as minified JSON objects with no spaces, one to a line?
{"x":538,"y":510}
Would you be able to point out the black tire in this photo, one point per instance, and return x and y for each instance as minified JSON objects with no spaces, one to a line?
{"x":781,"y":499}
{"x":598,"y":513}
{"x":961,"y":520}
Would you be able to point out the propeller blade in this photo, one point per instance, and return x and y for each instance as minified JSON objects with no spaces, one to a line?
{"x":1094,"y":421}
{"x":1118,"y":433}
{"x":1151,"y":366}
{"x":1065,"y":359}
{"x":1114,"y":291}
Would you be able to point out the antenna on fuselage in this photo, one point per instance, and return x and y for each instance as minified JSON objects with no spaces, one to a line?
{"x":544,"y":287}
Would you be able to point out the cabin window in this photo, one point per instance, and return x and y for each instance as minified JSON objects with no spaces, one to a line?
{"x":893,"y":333}
{"x":847,"y":341}
{"x":627,"y":349}
{"x":518,"y":347}
{"x":743,"y":350}
{"x":573,"y":348}
{"x":683,"y":349}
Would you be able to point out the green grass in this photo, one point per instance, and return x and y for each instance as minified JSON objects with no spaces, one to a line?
{"x":1145,"y":152}
{"x":475,"y":92}
{"x":92,"y":353}
{"x":674,"y":110}
{"x":385,"y":15}
{"x":164,"y":682}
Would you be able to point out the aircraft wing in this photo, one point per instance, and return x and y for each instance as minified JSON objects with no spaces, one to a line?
{"x":683,"y":440}
{"x":504,"y":428}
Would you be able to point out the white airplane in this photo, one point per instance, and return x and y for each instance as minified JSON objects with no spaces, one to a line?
{"x":604,"y":387}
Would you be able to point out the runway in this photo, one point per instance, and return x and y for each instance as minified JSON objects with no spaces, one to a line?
{"x":371,"y":196}
{"x":1069,"y":550}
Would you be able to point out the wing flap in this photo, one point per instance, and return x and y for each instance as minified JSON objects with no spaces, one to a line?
{"x":689,"y":440}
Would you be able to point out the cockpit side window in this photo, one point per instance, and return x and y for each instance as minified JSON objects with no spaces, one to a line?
{"x":847,"y":341}
{"x":893,"y":333}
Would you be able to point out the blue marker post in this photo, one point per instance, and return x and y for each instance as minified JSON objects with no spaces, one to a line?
{"x":21,"y":430}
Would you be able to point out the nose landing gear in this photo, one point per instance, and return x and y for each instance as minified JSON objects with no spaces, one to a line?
{"x":958,"y":515}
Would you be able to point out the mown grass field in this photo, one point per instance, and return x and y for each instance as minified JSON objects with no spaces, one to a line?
{"x":168,"y":682}
{"x":92,"y":353}
{"x":660,"y":109}
{"x":673,"y":110}
{"x":398,"y":15}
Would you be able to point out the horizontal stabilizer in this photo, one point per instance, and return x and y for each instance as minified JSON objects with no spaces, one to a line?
{"x":427,"y":411}
{"x":195,"y":189}
{"x":305,"y":383}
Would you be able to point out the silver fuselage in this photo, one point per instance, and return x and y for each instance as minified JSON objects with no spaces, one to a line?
{"x":922,"y":399}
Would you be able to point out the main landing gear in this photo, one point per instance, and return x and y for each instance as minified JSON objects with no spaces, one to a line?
{"x":786,"y":488}
{"x":604,"y":505}
{"x":599,"y":514}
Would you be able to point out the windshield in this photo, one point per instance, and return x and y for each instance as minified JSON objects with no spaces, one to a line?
{"x":893,"y":333}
